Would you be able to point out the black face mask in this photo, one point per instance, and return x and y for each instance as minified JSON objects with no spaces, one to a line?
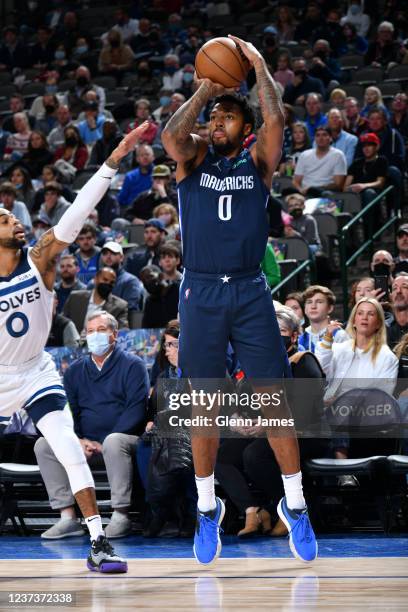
{"x":270,"y":41}
{"x":82,"y":81}
{"x":381,"y":269}
{"x":49,"y":109}
{"x":321,"y":54}
{"x":296,"y":212}
{"x":71,"y":141}
{"x":287,"y":341}
{"x":300,"y":73}
{"x":104,"y":290}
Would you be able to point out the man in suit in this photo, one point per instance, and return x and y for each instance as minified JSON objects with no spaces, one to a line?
{"x":81,"y":304}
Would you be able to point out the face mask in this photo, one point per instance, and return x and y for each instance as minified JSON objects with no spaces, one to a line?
{"x":98,"y":343}
{"x":321,"y":54}
{"x":71,"y":141}
{"x":355,"y":9}
{"x":164,"y":100}
{"x":296,"y":212}
{"x":166,"y":218}
{"x":82,"y":81}
{"x":188,"y":77}
{"x":59,"y":55}
{"x":270,"y":41}
{"x":49,"y":109}
{"x":287,"y":341}
{"x":51,"y":89}
{"x":104,"y":290}
{"x":80,"y":50}
{"x":18,"y":185}
{"x":300,"y":73}
{"x":381,"y":269}
{"x":170,"y":70}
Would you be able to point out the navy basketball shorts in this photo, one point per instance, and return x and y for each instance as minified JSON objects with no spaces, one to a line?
{"x":238,"y":308}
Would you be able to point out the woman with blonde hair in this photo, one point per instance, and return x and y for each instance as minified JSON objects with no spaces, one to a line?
{"x":364,"y":361}
{"x":167,"y":213}
{"x":373,"y":100}
{"x":337,"y":98}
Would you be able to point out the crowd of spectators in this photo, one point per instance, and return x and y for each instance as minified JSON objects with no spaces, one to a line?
{"x":72,"y":88}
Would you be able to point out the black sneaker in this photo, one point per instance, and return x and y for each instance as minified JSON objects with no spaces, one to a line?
{"x":102,"y":558}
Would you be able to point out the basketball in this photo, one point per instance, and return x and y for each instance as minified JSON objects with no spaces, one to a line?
{"x":221,"y":61}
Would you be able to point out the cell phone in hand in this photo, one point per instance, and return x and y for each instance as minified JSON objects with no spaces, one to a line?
{"x":381,"y":282}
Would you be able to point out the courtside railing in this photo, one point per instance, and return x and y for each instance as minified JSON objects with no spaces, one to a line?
{"x":308,"y":263}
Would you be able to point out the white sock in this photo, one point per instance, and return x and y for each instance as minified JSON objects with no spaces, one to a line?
{"x":94,"y":524}
{"x":206,"y":493}
{"x":66,"y":515}
{"x":292,"y":484}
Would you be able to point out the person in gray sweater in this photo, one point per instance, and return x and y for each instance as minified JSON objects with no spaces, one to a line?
{"x":302,"y":224}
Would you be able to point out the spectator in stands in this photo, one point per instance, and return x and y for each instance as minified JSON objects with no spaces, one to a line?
{"x":188,"y":81}
{"x":63,"y":331}
{"x":137,"y":180}
{"x":154,"y":236}
{"x":68,"y":270}
{"x":399,"y":298}
{"x":104,"y":146}
{"x":90,"y":129}
{"x":341,"y":140}
{"x":356,"y":17}
{"x":365,"y":356}
{"x":17,"y":142}
{"x":320,"y":169}
{"x":300,"y":142}
{"x":364,"y":287}
{"x":399,"y":117}
{"x":290,"y":119}
{"x":56,"y":137}
{"x":21,"y":179}
{"x":54,"y":204}
{"x":302,"y":225}
{"x":81,"y":304}
{"x":107,"y":392}
{"x":147,"y":84}
{"x":38,"y":154}
{"x":13,"y":52}
{"x":270,"y":266}
{"x":302,"y":83}
{"x":143,"y":113}
{"x":4,"y":134}
{"x":157,"y":46}
{"x":319,"y":304}
{"x":42,"y":52}
{"x":310,"y":22}
{"x":188,"y":49}
{"x":283,"y":74}
{"x":8,"y":200}
{"x":88,"y":254}
{"x":83,"y":84}
{"x":296,"y":302}
{"x":384,"y":51}
{"x":60,"y":61}
{"x":115,"y":57}
{"x":285,"y":24}
{"x":176,"y":100}
{"x":163,"y":111}
{"x":74,"y":150}
{"x":162,"y":285}
{"x":401,"y":260}
{"x":324,"y":65}
{"x":49,"y":120}
{"x":173,"y":75}
{"x":82,"y":55}
{"x":373,"y":100}
{"x":314,"y":117}
{"x":49,"y":174}
{"x":338,"y":98}
{"x":353,"y":42}
{"x":16,"y":105}
{"x":126,"y":26}
{"x":127,"y":286}
{"x":270,"y":50}
{"x":382,"y":264}
{"x":167,"y":214}
{"x":367,"y":175}
{"x":354,"y":122}
{"x":160,"y":192}
{"x":92,"y":96}
{"x":140,"y":42}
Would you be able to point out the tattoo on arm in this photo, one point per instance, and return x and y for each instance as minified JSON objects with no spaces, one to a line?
{"x":181,"y":124}
{"x":269,"y":95}
{"x":42,"y":244}
{"x":112,"y":164}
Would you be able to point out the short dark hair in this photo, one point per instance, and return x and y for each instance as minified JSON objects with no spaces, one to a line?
{"x":53,"y":186}
{"x":323,"y":128}
{"x":242,"y":102}
{"x":169,"y":249}
{"x":380,"y":111}
{"x":88,"y":228}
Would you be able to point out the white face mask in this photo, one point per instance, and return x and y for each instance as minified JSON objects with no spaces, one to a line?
{"x":98,"y":342}
{"x":165,"y":218}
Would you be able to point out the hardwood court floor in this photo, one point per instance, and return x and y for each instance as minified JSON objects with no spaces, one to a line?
{"x":351,"y":583}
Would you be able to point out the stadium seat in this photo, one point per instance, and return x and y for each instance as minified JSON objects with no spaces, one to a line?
{"x":327,"y":227}
{"x":281,"y":183}
{"x":348,"y":62}
{"x":66,"y":84}
{"x":297,"y":248}
{"x":16,"y":479}
{"x":108,"y":82}
{"x":135,"y":319}
{"x":250,"y":19}
{"x":31,"y":89}
{"x":398,"y":73}
{"x":7,"y":90}
{"x":368,"y":75}
{"x":81,"y":178}
{"x":136,"y":234}
{"x":389,"y":88}
{"x":354,"y":89}
{"x":351,"y":201}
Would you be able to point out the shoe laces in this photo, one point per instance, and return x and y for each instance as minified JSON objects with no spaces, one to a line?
{"x":103,"y":545}
{"x":303,"y":527}
{"x":207,"y":524}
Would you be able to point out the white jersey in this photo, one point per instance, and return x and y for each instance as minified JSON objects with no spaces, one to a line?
{"x":25,"y":313}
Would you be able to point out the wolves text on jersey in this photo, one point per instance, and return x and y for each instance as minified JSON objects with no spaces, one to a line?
{"x":16,"y":301}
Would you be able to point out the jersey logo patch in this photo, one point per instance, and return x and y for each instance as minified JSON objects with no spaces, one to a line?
{"x":217,"y":165}
{"x":187,"y":294}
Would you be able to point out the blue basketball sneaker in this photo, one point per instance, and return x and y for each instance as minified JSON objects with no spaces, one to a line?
{"x":302,"y":540}
{"x":207,"y":543}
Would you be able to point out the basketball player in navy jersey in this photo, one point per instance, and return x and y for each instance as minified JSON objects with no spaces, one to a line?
{"x":223,"y":190}
{"x":28,"y":377}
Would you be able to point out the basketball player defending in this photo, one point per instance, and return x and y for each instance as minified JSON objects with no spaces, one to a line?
{"x":223,"y":190}
{"x":28,"y":377}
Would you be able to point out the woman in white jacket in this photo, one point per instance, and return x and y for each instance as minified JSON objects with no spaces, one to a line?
{"x":364,"y":361}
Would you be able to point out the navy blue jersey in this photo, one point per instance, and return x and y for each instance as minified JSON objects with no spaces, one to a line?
{"x":224,"y":226}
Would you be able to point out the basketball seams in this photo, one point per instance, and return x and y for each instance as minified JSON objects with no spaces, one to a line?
{"x":236,"y":53}
{"x":220,"y":67}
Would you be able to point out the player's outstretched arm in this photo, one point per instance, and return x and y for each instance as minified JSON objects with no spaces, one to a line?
{"x":53,"y":242}
{"x":177,"y":137}
{"x":267,"y":150}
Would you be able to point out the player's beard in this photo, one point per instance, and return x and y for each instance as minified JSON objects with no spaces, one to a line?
{"x":11,"y":243}
{"x":227,"y":147}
